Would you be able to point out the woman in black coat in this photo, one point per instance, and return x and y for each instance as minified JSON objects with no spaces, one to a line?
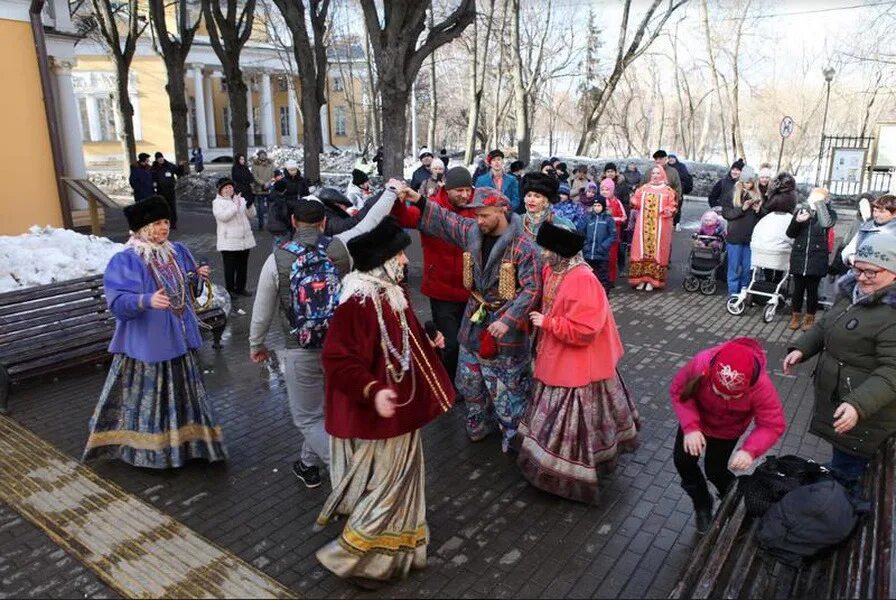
{"x":243,"y":179}
{"x":809,"y":257}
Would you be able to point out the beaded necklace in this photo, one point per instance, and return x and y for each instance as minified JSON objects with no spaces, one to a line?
{"x":168,"y":276}
{"x":391,"y":355}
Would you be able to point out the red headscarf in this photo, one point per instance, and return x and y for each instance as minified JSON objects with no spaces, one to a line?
{"x":663,"y":177}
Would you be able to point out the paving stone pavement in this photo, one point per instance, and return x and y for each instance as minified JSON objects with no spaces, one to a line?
{"x":491,"y":533}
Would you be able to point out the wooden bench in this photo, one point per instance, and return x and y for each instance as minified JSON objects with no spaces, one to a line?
{"x":53,"y":327}
{"x":728,"y":562}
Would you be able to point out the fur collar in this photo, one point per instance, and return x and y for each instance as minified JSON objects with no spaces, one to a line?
{"x":362,"y":286}
{"x":846,"y":286}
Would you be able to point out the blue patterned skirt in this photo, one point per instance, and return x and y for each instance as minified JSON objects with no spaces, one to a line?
{"x":154,"y":415}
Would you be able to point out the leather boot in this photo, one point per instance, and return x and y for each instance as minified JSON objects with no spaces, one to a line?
{"x":795,"y":319}
{"x":703,"y":516}
{"x":808,"y":322}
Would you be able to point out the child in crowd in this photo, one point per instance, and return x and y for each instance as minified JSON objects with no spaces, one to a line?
{"x":711,"y":226}
{"x":716,"y":396}
{"x":599,"y":230}
{"x":617,"y":212}
{"x":567,"y":208}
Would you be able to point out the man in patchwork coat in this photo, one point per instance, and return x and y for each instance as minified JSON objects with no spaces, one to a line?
{"x":502,"y":270}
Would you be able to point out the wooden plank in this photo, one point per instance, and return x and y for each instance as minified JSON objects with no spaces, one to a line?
{"x":782,"y":580}
{"x":749,"y":547}
{"x":52,"y":289}
{"x":886,"y":580}
{"x":52,"y":313}
{"x":72,"y":324}
{"x":49,"y":301}
{"x":705,"y":546}
{"x":720,"y":553}
{"x":18,"y":354}
{"x":58,"y":361}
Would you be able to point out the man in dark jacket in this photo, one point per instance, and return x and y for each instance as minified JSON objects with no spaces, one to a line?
{"x":293,"y":185}
{"x":672,"y":179}
{"x":724,"y":187}
{"x":164,"y":176}
{"x":141,"y":178}
{"x":378,"y":158}
{"x":687,"y":186}
{"x":423,"y":172}
{"x":443,"y":156}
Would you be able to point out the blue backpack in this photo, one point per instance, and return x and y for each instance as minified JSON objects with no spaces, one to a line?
{"x":314,"y":287}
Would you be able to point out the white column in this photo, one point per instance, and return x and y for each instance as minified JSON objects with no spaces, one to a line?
{"x":267,"y":110}
{"x":93,"y":118}
{"x":293,"y":107}
{"x":325,"y":126}
{"x":199,"y":95}
{"x":210,"y":140}
{"x":414,"y":147}
{"x":249,"y":112}
{"x":71,"y":128}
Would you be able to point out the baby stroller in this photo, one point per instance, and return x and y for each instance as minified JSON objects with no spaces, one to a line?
{"x":706,"y":257}
{"x":762,"y":286}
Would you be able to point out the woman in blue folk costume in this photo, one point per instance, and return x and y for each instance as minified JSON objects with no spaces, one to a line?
{"x":153,"y":411}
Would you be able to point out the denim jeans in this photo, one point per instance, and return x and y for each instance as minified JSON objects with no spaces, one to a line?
{"x":738,"y":267}
{"x":261,"y":208}
{"x":848,"y":467}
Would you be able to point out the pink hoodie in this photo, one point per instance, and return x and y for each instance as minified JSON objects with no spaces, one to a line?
{"x":717,"y":417}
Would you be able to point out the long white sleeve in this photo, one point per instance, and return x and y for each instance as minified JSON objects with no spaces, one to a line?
{"x":379,"y":211}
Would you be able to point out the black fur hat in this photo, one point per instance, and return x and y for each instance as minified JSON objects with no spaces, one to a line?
{"x":372,"y":249}
{"x":781,"y":195}
{"x":147,"y":211}
{"x":560,"y":240}
{"x":541,"y":184}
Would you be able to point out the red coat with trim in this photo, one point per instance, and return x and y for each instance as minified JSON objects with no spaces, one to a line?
{"x":443,"y":263}
{"x":355,"y":370}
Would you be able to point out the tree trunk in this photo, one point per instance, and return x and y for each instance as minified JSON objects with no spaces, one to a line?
{"x":312,"y":134}
{"x":715,"y":78}
{"x":395,"y":130}
{"x":239,"y":110}
{"x":177,"y":103}
{"x":126,"y":115}
{"x":523,"y":131}
{"x":433,"y":96}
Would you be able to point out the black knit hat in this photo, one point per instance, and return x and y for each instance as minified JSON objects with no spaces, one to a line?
{"x":147,"y":211}
{"x":517,"y":165}
{"x":372,"y":249}
{"x":159,"y":155}
{"x":541,"y":184}
{"x":458,"y":177}
{"x":359,"y":177}
{"x":738,"y":164}
{"x":560,"y":240}
{"x":610,"y":167}
{"x":224,"y":181}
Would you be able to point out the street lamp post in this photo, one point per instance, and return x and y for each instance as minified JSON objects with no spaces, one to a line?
{"x":828,"y":73}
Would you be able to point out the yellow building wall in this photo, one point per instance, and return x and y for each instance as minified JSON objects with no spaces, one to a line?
{"x":155,"y":116}
{"x":25,"y":156}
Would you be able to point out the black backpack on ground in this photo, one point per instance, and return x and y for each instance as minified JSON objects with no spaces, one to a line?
{"x":806,"y":521}
{"x":775,"y":478}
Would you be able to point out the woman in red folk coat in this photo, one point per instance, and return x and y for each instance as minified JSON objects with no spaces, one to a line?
{"x":580,"y":415}
{"x":384,"y":382}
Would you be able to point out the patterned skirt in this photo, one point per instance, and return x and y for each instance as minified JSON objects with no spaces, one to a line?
{"x":154,"y":415}
{"x":378,"y":484}
{"x":570,"y":434}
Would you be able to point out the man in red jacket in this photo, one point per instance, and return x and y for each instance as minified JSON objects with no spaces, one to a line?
{"x":443,"y":263}
{"x":716,"y":396}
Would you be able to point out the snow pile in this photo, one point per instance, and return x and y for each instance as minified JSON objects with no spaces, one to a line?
{"x":334,"y":161}
{"x":48,"y":255}
{"x":197,"y":187}
{"x":110,"y":182}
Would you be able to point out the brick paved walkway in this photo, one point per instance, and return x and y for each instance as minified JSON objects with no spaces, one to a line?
{"x":492,"y":534}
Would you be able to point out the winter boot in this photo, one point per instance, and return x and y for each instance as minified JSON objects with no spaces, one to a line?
{"x":808,"y":322}
{"x":703,"y":516}
{"x":795,"y":319}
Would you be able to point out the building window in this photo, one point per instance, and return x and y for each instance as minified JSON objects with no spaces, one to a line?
{"x":337,"y":84}
{"x":282,"y":84}
{"x":284,"y":121}
{"x":223,"y":84}
{"x":108,"y":132}
{"x":85,"y":119}
{"x":340,"y":121}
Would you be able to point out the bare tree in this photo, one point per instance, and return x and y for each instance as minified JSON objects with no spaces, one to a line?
{"x":478,"y":66}
{"x":394,"y":41}
{"x":228,"y":32}
{"x":715,"y":76}
{"x":311,"y":58}
{"x":433,"y":94}
{"x":106,"y":20}
{"x":174,"y":48}
{"x":625,"y":56}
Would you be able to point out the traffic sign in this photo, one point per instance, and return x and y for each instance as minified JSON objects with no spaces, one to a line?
{"x":786,"y":127}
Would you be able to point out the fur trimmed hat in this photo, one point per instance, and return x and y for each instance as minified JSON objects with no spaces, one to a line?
{"x":374,"y":248}
{"x":359,"y":177}
{"x":781,"y":196}
{"x":560,"y":240}
{"x":147,"y":211}
{"x":542,"y":184}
